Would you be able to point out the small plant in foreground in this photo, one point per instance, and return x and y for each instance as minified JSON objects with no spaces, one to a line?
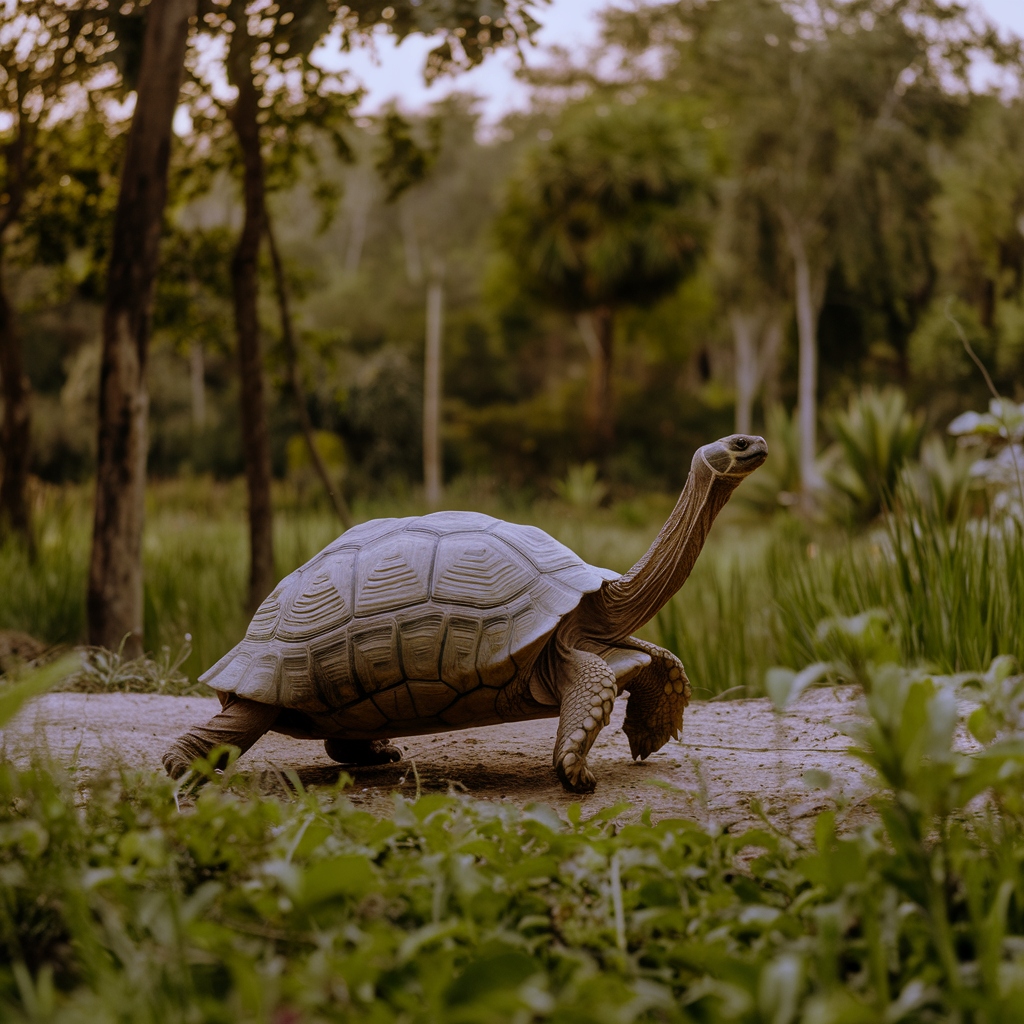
{"x":116,"y":907}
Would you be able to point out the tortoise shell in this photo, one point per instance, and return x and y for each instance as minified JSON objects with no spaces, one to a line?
{"x":415,"y":622}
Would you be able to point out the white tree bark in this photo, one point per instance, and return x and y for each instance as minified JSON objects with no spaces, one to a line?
{"x":361,"y":196}
{"x":432,"y":392}
{"x":745,"y":327}
{"x":808,"y":300}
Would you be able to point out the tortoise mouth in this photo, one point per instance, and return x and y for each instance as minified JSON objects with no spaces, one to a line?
{"x":757,"y":455}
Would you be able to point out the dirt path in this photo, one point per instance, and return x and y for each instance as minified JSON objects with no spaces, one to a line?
{"x":732,"y":755}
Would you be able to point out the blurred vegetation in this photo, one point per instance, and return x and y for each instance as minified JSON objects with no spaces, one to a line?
{"x":148,"y":903}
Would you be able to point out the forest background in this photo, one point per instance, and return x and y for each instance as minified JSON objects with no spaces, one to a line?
{"x":798,"y":219}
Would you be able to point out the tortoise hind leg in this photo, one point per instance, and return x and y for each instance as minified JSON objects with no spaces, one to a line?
{"x":587,"y":696}
{"x":240,"y":723}
{"x":362,"y":752}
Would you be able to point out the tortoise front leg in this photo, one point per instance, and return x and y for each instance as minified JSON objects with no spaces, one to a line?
{"x":240,"y":723}
{"x":587,"y":695}
{"x":658,"y":695}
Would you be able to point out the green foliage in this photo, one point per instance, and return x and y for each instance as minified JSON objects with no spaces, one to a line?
{"x":940,"y":479}
{"x":875,"y":437}
{"x":581,"y":488}
{"x":242,"y":907}
{"x":776,"y":484}
{"x":612,"y":211}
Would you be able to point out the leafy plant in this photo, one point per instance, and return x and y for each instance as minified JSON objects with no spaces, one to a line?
{"x":777,"y":483}
{"x":581,"y":488}
{"x":105,"y":671}
{"x":875,"y":436}
{"x":939,"y":478}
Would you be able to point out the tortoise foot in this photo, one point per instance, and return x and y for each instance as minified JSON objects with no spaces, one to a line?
{"x":362,"y":752}
{"x":575,"y":776}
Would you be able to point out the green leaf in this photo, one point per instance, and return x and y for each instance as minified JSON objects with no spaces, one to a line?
{"x":351,"y":875}
{"x":489,"y":974}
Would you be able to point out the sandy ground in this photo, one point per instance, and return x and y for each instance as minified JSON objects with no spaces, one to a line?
{"x":733,"y":756}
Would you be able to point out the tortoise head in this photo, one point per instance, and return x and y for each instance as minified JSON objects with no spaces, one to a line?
{"x":733,"y":456}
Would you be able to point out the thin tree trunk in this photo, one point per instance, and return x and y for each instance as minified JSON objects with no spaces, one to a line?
{"x":600,"y":414}
{"x":197,"y":383}
{"x":17,"y":422}
{"x":807,"y":302}
{"x":744,"y":331}
{"x":295,"y":379}
{"x":114,"y":601}
{"x":432,"y":392}
{"x":357,"y":227}
{"x":245,"y":288}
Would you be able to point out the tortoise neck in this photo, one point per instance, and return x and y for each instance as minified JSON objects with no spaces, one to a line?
{"x":621,"y":607}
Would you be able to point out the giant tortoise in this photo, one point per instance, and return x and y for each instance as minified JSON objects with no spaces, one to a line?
{"x":453,"y":620}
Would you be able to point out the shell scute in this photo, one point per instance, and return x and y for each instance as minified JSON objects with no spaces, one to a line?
{"x":364,"y":717}
{"x":330,"y":670}
{"x":458,"y":659}
{"x":431,"y":698}
{"x":493,"y":662}
{"x":297,"y":679}
{"x":543,"y":551}
{"x":443,"y":523}
{"x":316,"y":609}
{"x":374,"y":655}
{"x":264,"y":622}
{"x":396,"y":703}
{"x":420,"y":640}
{"x":479,"y":571}
{"x":550,"y":596}
{"x":475,"y":708}
{"x":391,"y":576}
{"x":262,"y":678}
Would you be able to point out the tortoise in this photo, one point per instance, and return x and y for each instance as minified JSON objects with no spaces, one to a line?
{"x":454,"y":620}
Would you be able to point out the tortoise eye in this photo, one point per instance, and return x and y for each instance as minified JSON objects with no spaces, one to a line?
{"x":741,"y":444}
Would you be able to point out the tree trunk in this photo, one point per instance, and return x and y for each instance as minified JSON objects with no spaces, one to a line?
{"x":245,"y":288}
{"x":360,"y":207}
{"x":432,"y":392}
{"x":808,"y":300}
{"x":295,"y":378}
{"x":744,"y":331}
{"x":17,"y":422}
{"x":114,"y":600}
{"x":598,"y":329}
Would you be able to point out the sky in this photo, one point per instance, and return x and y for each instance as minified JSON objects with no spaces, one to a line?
{"x":396,"y":71}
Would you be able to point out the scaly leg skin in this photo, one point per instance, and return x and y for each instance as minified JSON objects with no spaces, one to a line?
{"x":240,"y":723}
{"x":586,"y":707}
{"x":362,"y":752}
{"x":657,"y":696}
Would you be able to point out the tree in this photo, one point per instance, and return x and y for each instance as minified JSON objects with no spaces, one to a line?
{"x":830,"y":106}
{"x":115,"y":598}
{"x":747,"y":261}
{"x":49,"y":53}
{"x":285,"y":99}
{"x":613,"y":211}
